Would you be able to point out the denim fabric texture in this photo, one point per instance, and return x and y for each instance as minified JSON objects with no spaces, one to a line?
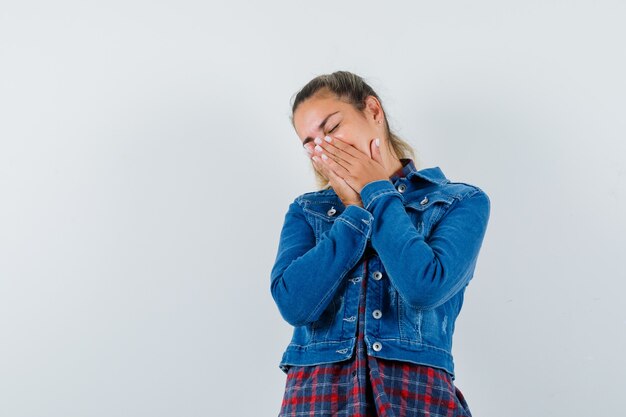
{"x":421,"y":234}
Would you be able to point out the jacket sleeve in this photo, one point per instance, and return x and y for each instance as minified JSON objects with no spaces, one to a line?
{"x":306,"y":275}
{"x":426,"y":272}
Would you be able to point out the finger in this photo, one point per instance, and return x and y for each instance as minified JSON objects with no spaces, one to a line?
{"x":342,"y":149}
{"x":336,"y":181}
{"x":324,"y":147}
{"x":335,"y":166}
{"x":376,"y":153}
{"x":322,"y":167}
{"x":325,"y":155}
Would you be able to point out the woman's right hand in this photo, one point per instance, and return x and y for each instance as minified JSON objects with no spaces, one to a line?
{"x":346,"y":193}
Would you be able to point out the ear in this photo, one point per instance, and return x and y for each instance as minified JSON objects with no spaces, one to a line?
{"x":374,"y":107}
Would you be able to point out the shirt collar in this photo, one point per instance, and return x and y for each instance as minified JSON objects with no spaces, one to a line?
{"x":408,"y":170}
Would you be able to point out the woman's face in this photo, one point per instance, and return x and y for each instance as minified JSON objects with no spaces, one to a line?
{"x":323,"y":114}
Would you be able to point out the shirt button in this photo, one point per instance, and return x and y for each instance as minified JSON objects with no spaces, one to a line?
{"x":377,"y":314}
{"x":378,"y":275}
{"x":401,"y":187}
{"x":332,"y":211}
{"x":377,"y":346}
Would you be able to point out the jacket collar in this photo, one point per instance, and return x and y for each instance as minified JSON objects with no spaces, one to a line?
{"x":433,"y":174}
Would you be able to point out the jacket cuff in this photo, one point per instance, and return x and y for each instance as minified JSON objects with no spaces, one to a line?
{"x":375,"y":189}
{"x":358,"y":218}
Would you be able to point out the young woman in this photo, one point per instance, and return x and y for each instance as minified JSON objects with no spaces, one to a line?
{"x":372,"y":267}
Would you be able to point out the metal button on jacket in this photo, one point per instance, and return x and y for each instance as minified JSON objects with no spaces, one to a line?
{"x":378,"y":275}
{"x":377,"y":314}
{"x":332,"y":211}
{"x":424,"y":201}
{"x":377,"y":346}
{"x":401,"y":187}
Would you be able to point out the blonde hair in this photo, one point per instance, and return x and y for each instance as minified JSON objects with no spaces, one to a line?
{"x":354,"y":90}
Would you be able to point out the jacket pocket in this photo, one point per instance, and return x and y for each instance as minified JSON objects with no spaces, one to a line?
{"x":428,"y":210}
{"x":302,"y":335}
{"x":322,"y":215}
{"x":321,"y":327}
{"x":409,"y":322}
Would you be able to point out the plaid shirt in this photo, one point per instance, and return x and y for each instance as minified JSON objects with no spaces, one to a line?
{"x":368,"y":386}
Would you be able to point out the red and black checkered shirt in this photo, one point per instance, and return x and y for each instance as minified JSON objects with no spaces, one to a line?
{"x":365,"y":385}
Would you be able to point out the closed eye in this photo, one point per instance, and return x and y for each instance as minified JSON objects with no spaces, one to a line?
{"x":334,"y":128}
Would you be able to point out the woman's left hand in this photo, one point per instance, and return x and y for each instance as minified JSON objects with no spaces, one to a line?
{"x":348,"y":162}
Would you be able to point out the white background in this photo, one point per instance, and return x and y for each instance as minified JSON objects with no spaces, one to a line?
{"x":147,"y":161}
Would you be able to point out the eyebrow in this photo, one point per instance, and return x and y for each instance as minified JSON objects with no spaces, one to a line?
{"x":308,"y":138}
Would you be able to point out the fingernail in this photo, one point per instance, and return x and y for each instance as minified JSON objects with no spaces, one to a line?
{"x":317,"y":140}
{"x":318,"y":148}
{"x":377,"y":142}
{"x":324,"y":157}
{"x":327,"y":139}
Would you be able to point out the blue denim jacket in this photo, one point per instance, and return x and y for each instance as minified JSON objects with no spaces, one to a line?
{"x":420,"y":235}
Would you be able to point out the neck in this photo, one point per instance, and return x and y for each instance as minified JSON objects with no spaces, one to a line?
{"x":393,"y":164}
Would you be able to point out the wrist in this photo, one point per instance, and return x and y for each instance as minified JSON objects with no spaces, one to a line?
{"x":376,"y":189}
